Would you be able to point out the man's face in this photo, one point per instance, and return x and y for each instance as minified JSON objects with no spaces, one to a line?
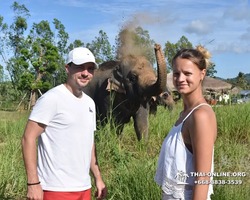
{"x":80,"y":75}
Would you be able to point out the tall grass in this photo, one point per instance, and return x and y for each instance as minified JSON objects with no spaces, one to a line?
{"x":128,"y":166}
{"x":12,"y":171}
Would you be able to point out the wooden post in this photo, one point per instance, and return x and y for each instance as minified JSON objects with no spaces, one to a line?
{"x":30,"y":100}
{"x":21,"y":100}
{"x":40,"y":92}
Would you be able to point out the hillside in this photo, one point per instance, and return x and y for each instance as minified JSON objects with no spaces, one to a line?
{"x":247,"y":76}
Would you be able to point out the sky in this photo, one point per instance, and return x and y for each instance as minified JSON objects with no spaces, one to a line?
{"x":222,"y":26}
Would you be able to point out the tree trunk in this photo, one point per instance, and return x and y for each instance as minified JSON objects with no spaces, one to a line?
{"x":34,"y":91}
{"x":33,"y":97}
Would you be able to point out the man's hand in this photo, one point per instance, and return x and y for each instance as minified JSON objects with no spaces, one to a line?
{"x":101,"y":192}
{"x":35,"y":192}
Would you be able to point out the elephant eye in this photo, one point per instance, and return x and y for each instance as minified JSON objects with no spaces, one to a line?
{"x":133,"y":78}
{"x":165,"y":95}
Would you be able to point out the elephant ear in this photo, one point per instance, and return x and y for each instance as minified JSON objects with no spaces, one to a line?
{"x":115,"y":82}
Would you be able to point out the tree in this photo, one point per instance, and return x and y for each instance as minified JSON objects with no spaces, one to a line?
{"x":211,"y":70}
{"x":3,"y":38}
{"x":36,"y":60}
{"x":171,"y":49}
{"x":76,"y":43}
{"x":101,"y":48}
{"x":61,"y":37}
{"x":1,"y":74}
{"x":135,"y":42}
{"x":39,"y":57}
{"x":17,"y":28}
{"x":12,"y":40}
{"x":241,"y":80}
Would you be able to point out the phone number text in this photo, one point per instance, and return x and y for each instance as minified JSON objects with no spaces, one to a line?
{"x":218,"y":182}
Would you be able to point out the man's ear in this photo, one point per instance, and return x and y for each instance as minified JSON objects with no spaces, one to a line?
{"x":67,"y":68}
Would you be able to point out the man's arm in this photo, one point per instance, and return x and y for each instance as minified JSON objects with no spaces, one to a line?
{"x":32,"y":131}
{"x":101,"y":188}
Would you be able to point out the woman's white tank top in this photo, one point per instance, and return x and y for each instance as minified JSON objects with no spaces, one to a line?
{"x":175,"y":164}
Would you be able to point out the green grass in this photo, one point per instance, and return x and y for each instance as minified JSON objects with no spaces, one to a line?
{"x":128,"y":166}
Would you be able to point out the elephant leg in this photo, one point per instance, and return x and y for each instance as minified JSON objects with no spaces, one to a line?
{"x":141,"y":122}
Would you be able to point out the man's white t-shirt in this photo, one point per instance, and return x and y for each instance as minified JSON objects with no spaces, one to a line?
{"x":65,"y":146}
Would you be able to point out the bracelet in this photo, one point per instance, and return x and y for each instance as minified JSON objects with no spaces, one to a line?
{"x":33,"y":183}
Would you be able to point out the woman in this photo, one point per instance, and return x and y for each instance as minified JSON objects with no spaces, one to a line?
{"x":186,"y":154}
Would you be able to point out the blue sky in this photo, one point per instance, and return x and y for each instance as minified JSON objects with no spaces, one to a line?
{"x":226,"y":22}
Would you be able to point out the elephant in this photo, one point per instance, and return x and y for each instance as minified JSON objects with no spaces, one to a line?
{"x":124,"y":88}
{"x":164,"y":99}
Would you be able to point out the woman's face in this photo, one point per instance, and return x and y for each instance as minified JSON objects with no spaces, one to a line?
{"x":187,"y":76}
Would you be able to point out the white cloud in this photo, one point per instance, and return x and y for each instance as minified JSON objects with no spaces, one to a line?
{"x":238,"y":14}
{"x":221,"y":48}
{"x":237,"y":48}
{"x":72,"y":3}
{"x":248,"y":48}
{"x":246,"y":36}
{"x":198,"y":27}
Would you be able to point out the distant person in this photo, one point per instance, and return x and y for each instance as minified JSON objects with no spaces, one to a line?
{"x":220,"y":98}
{"x":189,"y":145}
{"x":64,"y":122}
{"x":226,"y":98}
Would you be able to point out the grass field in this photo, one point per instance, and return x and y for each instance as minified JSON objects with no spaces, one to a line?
{"x":128,"y":166}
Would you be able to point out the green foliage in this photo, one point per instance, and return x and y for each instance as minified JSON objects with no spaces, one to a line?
{"x":3,"y":29}
{"x":26,"y":81}
{"x":61,"y":35}
{"x":42,"y":32}
{"x":171,"y":49}
{"x":15,"y":70}
{"x":3,"y":26}
{"x":128,"y":166}
{"x":12,"y":171}
{"x":45,"y":86}
{"x":20,"y":9}
{"x":38,"y":53}
{"x":211,"y":70}
{"x":3,"y":35}
{"x":8,"y":93}
{"x":17,"y":28}
{"x":1,"y":74}
{"x":241,"y":80}
{"x":41,"y":54}
{"x":12,"y":40}
{"x":101,"y":48}
{"x":76,"y":43}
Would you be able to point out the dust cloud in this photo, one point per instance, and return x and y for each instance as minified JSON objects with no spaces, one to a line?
{"x":126,"y":40}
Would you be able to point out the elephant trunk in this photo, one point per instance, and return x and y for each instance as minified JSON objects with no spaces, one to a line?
{"x":160,"y":85}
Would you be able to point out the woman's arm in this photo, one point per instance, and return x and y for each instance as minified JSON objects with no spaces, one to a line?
{"x":203,"y":133}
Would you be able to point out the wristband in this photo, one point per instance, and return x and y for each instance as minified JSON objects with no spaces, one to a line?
{"x":33,"y":183}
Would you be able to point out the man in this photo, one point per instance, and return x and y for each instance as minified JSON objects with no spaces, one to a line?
{"x":64,"y":122}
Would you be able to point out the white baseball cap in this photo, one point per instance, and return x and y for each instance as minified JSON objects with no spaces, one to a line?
{"x":81,"y":55}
